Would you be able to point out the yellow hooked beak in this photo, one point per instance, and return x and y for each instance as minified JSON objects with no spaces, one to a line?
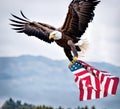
{"x":51,"y":36}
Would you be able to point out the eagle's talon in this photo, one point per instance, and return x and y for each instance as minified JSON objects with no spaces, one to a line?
{"x":75,"y":59}
{"x":70,"y":64}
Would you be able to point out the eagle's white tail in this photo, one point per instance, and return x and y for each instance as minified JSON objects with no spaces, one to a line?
{"x":83,"y":45}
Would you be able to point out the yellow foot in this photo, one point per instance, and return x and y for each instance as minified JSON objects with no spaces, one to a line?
{"x":75,"y":59}
{"x":70,"y":64}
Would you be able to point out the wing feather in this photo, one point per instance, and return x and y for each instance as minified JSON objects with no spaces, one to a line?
{"x":23,"y":15}
{"x":18,"y":28}
{"x":18,"y":22}
{"x":37,"y":29}
{"x":19,"y":18}
{"x":17,"y":25}
{"x":80,"y":13}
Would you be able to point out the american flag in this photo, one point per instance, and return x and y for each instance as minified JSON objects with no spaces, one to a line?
{"x":93,"y":83}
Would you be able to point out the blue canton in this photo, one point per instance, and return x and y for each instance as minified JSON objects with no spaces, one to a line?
{"x":75,"y":66}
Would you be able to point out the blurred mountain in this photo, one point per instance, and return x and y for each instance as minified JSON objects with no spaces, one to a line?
{"x":40,"y":80}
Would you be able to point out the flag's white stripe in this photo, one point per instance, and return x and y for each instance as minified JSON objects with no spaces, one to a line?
{"x":100,"y":76}
{"x":104,"y":80}
{"x":110,"y":86}
{"x":79,"y":70}
{"x":93,"y":82}
{"x":85,"y":90}
{"x":85,"y":75}
{"x":85,"y":94}
{"x":102,"y":93}
{"x":82,"y":77}
{"x":94,"y":71}
{"x":100,"y":87}
{"x":103,"y":84}
{"x":93,"y":96}
{"x":106,"y":73}
{"x":112,"y":77}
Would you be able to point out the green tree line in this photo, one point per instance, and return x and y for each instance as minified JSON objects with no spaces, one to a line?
{"x":11,"y":104}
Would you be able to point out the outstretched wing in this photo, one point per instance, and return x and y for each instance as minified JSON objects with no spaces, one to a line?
{"x":80,"y":13}
{"x":37,"y":29}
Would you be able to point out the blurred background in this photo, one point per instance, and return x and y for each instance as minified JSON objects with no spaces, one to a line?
{"x":23,"y":60}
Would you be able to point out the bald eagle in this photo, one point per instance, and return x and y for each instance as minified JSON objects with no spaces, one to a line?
{"x":80,"y":14}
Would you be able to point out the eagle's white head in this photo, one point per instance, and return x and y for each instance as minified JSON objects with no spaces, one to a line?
{"x":56,"y":35}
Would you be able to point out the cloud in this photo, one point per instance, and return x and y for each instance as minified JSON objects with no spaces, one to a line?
{"x":103,"y":32}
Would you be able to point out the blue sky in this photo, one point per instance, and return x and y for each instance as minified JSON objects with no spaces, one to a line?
{"x":103,"y":33}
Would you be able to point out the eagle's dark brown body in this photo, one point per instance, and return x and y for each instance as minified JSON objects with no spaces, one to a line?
{"x":64,"y":41}
{"x":80,"y":13}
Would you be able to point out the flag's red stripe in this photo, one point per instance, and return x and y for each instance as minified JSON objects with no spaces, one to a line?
{"x":81,"y":73}
{"x":97,"y":88}
{"x":102,"y":77}
{"x":97,"y":74}
{"x":76,"y":78}
{"x":106,"y":87}
{"x":81,"y":94}
{"x":115,"y":85}
{"x":89,"y":94}
{"x":97,"y":83}
{"x":97,"y":93}
{"x":98,"y":80}
{"x":81,"y":90}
